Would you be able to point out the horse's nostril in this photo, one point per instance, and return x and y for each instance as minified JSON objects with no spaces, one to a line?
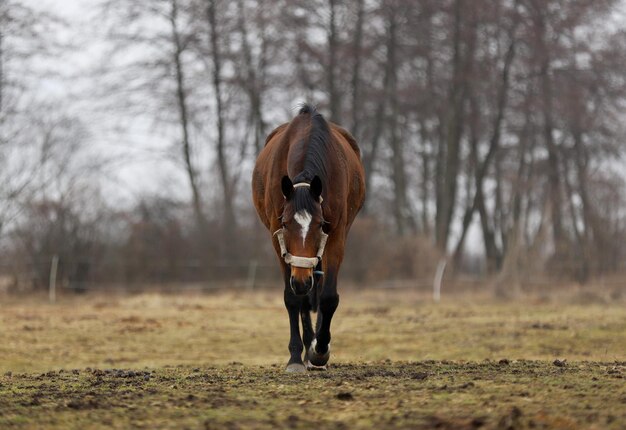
{"x":300,"y":287}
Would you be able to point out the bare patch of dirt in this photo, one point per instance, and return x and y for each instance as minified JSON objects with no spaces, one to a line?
{"x":425,"y":394}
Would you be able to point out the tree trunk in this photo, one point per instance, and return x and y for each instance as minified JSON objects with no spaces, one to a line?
{"x":181,"y":98}
{"x":400,"y":207}
{"x":553,"y":159}
{"x":370,"y":156}
{"x":492,"y":253}
{"x":1,"y":73}
{"x":580,"y":250}
{"x":301,"y":64}
{"x":228,"y":214}
{"x":356,"y":68}
{"x":449,"y":153}
{"x":514,"y":256}
{"x":251,"y":85}
{"x":545,"y":80}
{"x":425,"y":179}
{"x":594,"y":233}
{"x":331,"y":73}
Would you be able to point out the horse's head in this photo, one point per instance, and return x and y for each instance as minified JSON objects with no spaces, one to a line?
{"x":301,"y":237}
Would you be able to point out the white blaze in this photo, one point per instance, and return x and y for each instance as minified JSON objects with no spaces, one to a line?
{"x":304,"y":219}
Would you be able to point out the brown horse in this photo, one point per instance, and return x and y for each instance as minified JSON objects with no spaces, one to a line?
{"x":308,"y":185}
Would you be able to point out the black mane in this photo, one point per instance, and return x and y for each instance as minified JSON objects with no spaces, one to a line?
{"x":319,"y":141}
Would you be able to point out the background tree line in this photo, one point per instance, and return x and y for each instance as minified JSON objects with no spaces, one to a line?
{"x":492,"y":128}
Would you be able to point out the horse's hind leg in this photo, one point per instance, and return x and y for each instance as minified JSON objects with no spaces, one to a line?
{"x":307,"y":326}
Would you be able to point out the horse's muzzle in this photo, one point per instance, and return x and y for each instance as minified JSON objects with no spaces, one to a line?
{"x":301,"y":288}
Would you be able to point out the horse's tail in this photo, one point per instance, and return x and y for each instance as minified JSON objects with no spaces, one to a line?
{"x":307,"y":108}
{"x":320,"y":129}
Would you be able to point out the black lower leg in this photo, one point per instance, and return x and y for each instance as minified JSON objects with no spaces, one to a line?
{"x":307,"y":327}
{"x":293,"y":305}
{"x":328,"y":305}
{"x":329,"y":300}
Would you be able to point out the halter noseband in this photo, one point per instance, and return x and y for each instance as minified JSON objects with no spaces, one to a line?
{"x":293,"y":260}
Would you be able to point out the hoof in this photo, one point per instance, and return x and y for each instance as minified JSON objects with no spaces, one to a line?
{"x":295,"y":368}
{"x":313,"y":368}
{"x":316,"y":359}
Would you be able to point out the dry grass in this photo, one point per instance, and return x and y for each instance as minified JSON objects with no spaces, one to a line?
{"x":156,"y":330}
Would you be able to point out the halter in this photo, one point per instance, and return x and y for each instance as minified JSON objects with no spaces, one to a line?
{"x":293,"y":260}
{"x":305,"y":185}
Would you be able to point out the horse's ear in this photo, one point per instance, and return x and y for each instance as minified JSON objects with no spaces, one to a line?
{"x":316,"y":187}
{"x":287,"y":187}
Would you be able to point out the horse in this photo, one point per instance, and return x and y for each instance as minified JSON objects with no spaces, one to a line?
{"x":308,"y":186}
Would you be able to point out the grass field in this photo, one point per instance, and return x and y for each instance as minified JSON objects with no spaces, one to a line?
{"x":399,"y":361}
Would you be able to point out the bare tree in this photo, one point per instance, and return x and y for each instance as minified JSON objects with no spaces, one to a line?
{"x":225,"y":177}
{"x":26,"y":39}
{"x":179,"y":47}
{"x":253,"y":72}
{"x":357,"y":53}
{"x":480,"y":168}
{"x":448,"y":158}
{"x":162,"y":78}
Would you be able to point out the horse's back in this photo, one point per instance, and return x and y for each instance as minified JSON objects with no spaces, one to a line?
{"x":271,"y":166}
{"x":260,"y":178}
{"x":348,"y":137}
{"x":354,"y":170}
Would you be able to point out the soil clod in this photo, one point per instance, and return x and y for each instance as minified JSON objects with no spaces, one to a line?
{"x":345,"y":395}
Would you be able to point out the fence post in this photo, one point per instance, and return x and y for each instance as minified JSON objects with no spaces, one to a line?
{"x":252,"y":274}
{"x":441,"y":267}
{"x":52,"y":292}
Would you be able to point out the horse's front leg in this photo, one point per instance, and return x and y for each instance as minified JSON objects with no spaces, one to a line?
{"x":293,"y":304}
{"x":319,"y":351}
